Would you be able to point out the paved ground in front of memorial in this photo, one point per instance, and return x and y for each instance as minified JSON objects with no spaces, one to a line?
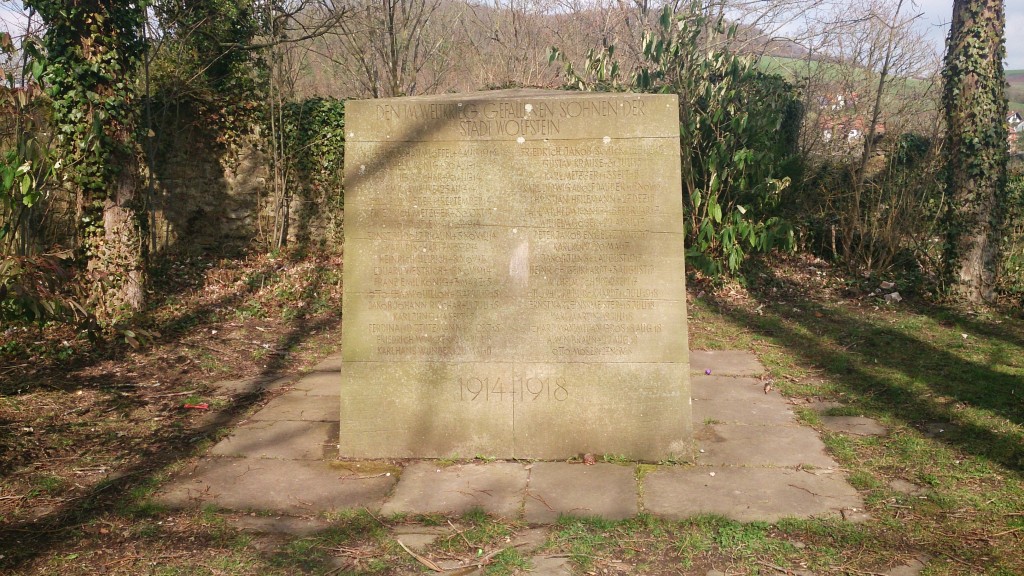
{"x":755,"y":462}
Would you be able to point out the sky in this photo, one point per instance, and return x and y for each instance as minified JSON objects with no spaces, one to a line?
{"x":936,"y":16}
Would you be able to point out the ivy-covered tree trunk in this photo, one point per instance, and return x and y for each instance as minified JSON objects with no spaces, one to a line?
{"x":93,"y":49}
{"x":975,"y":101}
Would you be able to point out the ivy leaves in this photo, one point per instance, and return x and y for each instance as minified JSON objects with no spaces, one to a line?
{"x":91,"y":49}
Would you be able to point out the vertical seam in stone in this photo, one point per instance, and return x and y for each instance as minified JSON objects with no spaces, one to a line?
{"x":514,"y":422}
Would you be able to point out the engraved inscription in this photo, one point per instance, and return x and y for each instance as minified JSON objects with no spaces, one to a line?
{"x":515,"y":388}
{"x":574,"y":218}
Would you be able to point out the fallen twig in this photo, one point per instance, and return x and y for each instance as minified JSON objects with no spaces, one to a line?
{"x":541,"y":500}
{"x":460,"y":533}
{"x":847,"y":570}
{"x":425,"y":561}
{"x":367,"y":510}
{"x":169,"y":394}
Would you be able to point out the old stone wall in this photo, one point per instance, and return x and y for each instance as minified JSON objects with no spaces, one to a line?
{"x":206,"y":193}
{"x":215,"y":195}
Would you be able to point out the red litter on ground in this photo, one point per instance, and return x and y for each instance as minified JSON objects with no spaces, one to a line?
{"x":201,"y":406}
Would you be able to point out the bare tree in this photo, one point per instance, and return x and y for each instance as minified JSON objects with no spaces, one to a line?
{"x":390,"y":44}
{"x":869,"y":80}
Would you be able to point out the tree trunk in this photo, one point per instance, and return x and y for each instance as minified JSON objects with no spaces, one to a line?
{"x":94,"y":48}
{"x":976,"y":109}
{"x":117,"y":268}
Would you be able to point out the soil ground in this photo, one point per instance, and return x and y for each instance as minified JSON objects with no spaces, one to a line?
{"x":88,"y":432}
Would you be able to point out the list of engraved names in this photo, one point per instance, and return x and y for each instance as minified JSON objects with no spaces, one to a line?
{"x":503,"y":235}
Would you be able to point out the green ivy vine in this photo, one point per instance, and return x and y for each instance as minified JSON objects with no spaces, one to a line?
{"x":314,"y":137}
{"x":90,"y":55}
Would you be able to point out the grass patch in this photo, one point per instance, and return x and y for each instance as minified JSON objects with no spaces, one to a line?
{"x":584,"y":538}
{"x":508,"y":562}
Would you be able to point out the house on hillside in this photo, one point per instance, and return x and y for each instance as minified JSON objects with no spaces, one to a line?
{"x":837,"y":101}
{"x":850,"y":130}
{"x":1015,"y":128}
{"x":1015,"y":121}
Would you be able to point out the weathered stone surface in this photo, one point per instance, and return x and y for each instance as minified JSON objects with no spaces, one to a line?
{"x":747,"y":494}
{"x":289,"y":486}
{"x":603,"y":490}
{"x":496,"y":487}
{"x":287,"y":439}
{"x":296,"y":407}
{"x":514,"y":277}
{"x":912,"y":568}
{"x":550,"y":566}
{"x":530,"y":539}
{"x":728,"y":388}
{"x":320,"y":383}
{"x":417,"y":537}
{"x":856,"y":425}
{"x":251,"y":385}
{"x":786,"y":446}
{"x":725,"y":363}
{"x":330,"y":364}
{"x":906,"y":487}
{"x":761,"y":411}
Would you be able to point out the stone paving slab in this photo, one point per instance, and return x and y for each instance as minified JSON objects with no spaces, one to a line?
{"x":751,"y":442}
{"x":418,"y":537}
{"x":330,"y":364}
{"x":604,"y":490}
{"x":747,"y":494}
{"x":321,"y":383}
{"x":762,"y":411}
{"x":550,"y":566}
{"x":286,"y":439}
{"x":251,"y":385}
{"x":731,"y":388}
{"x":725,"y":362}
{"x":496,"y":487}
{"x":856,"y":425}
{"x":300,"y":407}
{"x":782,"y":446}
{"x":290,"y":486}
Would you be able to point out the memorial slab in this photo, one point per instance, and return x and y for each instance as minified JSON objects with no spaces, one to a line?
{"x":514,"y":282}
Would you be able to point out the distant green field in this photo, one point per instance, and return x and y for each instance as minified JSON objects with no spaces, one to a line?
{"x":1015,"y":94}
{"x":794,"y":68}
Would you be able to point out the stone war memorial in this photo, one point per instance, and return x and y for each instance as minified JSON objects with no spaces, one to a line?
{"x":513,"y":275}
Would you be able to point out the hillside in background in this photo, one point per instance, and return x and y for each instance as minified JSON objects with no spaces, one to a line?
{"x":1015,"y":93}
